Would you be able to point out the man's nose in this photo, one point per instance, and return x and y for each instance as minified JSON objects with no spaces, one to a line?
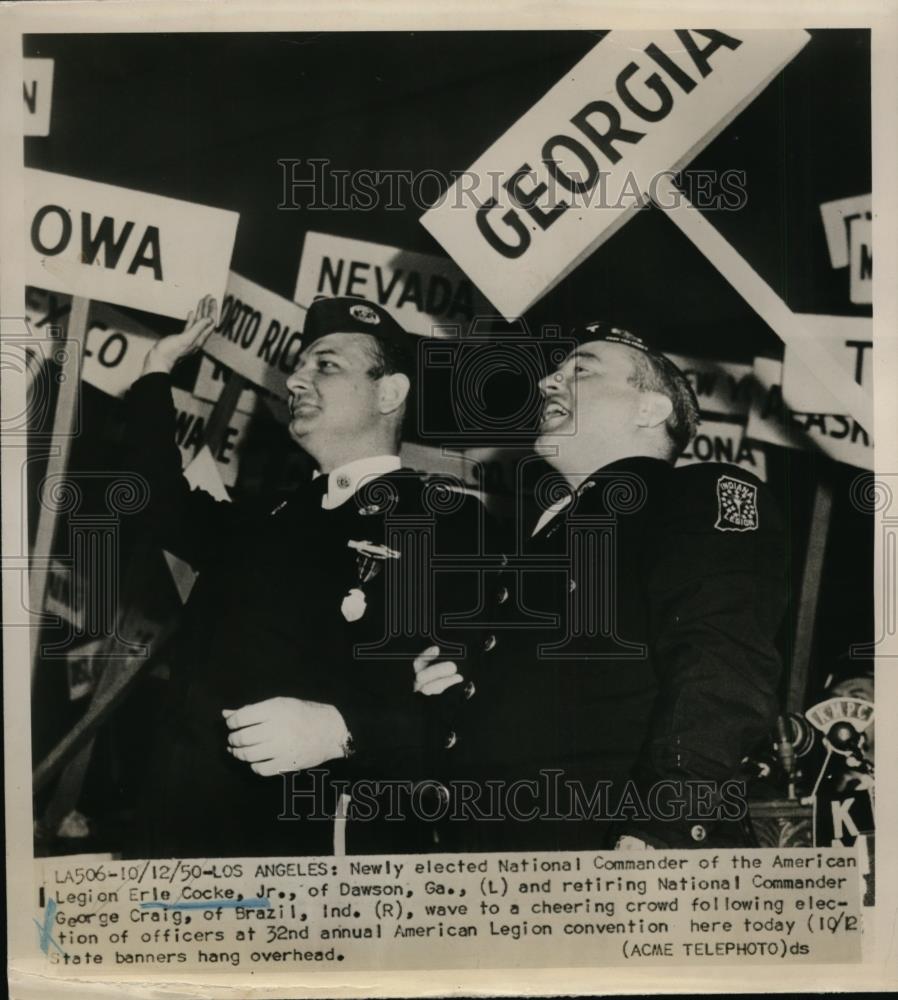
{"x":551,"y":383}
{"x":298,"y":379}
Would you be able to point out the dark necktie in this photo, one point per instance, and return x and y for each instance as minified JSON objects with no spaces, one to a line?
{"x":314,"y":491}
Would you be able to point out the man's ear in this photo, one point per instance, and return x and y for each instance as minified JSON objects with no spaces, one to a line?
{"x":654,"y":409}
{"x":393,"y":391}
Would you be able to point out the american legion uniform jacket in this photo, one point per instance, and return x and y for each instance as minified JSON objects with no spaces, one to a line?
{"x":292,"y":599}
{"x":638,"y":658}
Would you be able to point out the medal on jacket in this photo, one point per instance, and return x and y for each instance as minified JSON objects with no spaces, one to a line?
{"x":369,"y":558}
{"x":353,"y":605}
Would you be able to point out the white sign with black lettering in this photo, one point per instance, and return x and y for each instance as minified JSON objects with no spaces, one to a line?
{"x":191,"y":417}
{"x":840,"y":437}
{"x":420,"y":290}
{"x":210,"y":381}
{"x":860,"y":253}
{"x":115,"y":350}
{"x":115,"y":347}
{"x":722,"y":441}
{"x":720,"y":386}
{"x":849,"y":339}
{"x":259,"y":334}
{"x":837,"y":217}
{"x":567,"y":174}
{"x":122,"y":246}
{"x":37,"y":90}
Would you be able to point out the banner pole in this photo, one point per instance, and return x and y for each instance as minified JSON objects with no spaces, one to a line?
{"x":222,"y":412}
{"x":809,"y":599}
{"x":57,"y":463}
{"x":766,"y":303}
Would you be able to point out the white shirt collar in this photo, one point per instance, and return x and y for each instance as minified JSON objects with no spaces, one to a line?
{"x":342,"y":482}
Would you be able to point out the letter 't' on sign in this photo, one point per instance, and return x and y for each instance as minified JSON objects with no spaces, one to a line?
{"x":124,"y":247}
{"x":564,"y":177}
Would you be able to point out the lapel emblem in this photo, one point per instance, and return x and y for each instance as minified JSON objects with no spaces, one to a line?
{"x":737,"y":505}
{"x":369,"y":558}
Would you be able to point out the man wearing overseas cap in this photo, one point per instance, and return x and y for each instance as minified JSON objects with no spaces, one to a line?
{"x":624,"y":724}
{"x":286,"y":661}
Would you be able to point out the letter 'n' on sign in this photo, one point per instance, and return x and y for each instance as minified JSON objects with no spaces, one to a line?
{"x":565,"y":176}
{"x":37,"y":89}
{"x":124,"y":247}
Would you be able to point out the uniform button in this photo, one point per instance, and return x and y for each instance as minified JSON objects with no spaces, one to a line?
{"x":343,"y":482}
{"x":698,"y":833}
{"x":502,"y":595}
{"x":489,"y":643}
{"x":468,"y":690}
{"x":434,"y":793}
{"x":451,"y":740}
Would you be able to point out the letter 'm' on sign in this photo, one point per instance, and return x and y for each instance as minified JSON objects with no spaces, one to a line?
{"x":637,"y":105}
{"x":421,"y":290}
{"x":860,"y":252}
{"x":124,"y":247}
{"x":37,"y":89}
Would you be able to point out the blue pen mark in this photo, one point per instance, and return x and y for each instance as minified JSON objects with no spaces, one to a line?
{"x":46,"y":938}
{"x":255,"y":904}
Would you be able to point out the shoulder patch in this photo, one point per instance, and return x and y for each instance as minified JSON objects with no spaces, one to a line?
{"x":737,"y":505}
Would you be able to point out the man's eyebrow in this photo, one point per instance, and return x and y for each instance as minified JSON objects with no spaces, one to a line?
{"x":581,"y":353}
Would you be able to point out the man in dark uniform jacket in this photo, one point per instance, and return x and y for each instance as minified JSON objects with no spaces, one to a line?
{"x":290,"y":658}
{"x":618,"y":714}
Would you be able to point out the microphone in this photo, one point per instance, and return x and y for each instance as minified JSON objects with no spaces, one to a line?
{"x":846,"y":740}
{"x":785,"y":752}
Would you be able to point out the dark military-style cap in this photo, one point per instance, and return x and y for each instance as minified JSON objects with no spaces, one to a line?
{"x":348,"y":314}
{"x":613,"y":334}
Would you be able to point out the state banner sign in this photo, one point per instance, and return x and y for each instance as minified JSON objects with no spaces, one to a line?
{"x":773,"y":421}
{"x":565,"y":176}
{"x":37,"y":89}
{"x":849,"y":340}
{"x":259,"y":334}
{"x":191,"y":419}
{"x":860,"y":250}
{"x":115,"y":347}
{"x":837,"y":217}
{"x":423,"y":292}
{"x":723,"y":441}
{"x":721,"y":387}
{"x":124,"y":247}
{"x":210,"y":382}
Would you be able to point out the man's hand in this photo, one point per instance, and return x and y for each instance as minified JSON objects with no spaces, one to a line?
{"x":629,"y":843}
{"x":286,"y":734}
{"x":168,"y":351}
{"x":434,"y":678}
